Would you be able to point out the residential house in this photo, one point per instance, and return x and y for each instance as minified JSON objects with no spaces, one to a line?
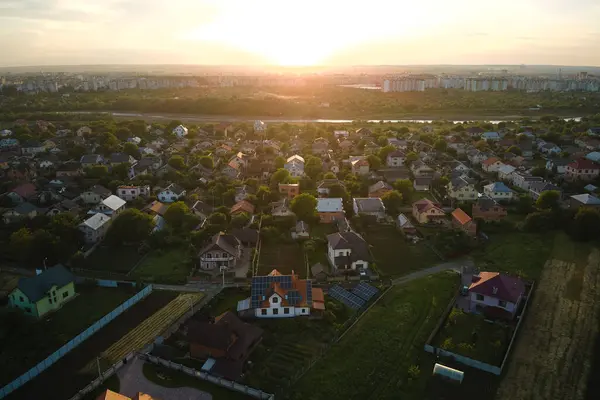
{"x":526,"y":149}
{"x":171,"y":193}
{"x":462,"y":188}
{"x":505,"y":172}
{"x":594,"y":131}
{"x":320,"y":146}
{"x":537,"y":188}
{"x":32,"y":148}
{"x":379,"y":189}
{"x":488,"y":209}
{"x":496,"y":295}
{"x":476,"y":157}
{"x":371,"y":148}
{"x":84,"y":131}
{"x":242,"y":192}
{"x":295,"y":166}
{"x":405,"y":226}
{"x":22,"y":210}
{"x":180,"y":131}
{"x":474,"y":131}
{"x":420,"y":169}
{"x":281,"y":208}
{"x":422,"y":183}
{"x":462,"y":221}
{"x":150,"y":163}
{"x":129,"y":193}
{"x":290,"y":190}
{"x":95,"y":227}
{"x":22,"y":192}
{"x":499,"y":191}
{"x":95,"y":194}
{"x":69,"y":168}
{"x":232,"y":170}
{"x":135,"y":140}
{"x":549,"y":149}
{"x":223,"y":252}
{"x":45,"y":292}
{"x":523,"y":180}
{"x":111,"y":206}
{"x":582,"y":169}
{"x":319,"y":272}
{"x":282,"y":296}
{"x":348,"y":251}
{"x":341,"y":134}
{"x":91,"y":160}
{"x":585,"y":200}
{"x":121,"y":158}
{"x":398,"y":143}
{"x":226,"y":340}
{"x":492,"y":164}
{"x":241,"y":159}
{"x":242,"y":207}
{"x":301,"y":230}
{"x":330,"y":209}
{"x":360,"y":166}
{"x":426,"y":211}
{"x":5,"y":133}
{"x":396,"y":158}
{"x":325,"y":184}
{"x":260,"y":127}
{"x":372,"y":206}
{"x":346,"y":145}
{"x":495,"y":136}
{"x":558,"y":165}
{"x":588,"y":143}
{"x":9,"y":143}
{"x":201,"y":209}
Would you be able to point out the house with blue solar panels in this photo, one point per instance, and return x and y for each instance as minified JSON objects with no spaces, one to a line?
{"x":282,"y":296}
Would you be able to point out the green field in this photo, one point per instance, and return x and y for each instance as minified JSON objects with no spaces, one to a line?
{"x":114,"y":259}
{"x":285,"y":257}
{"x":373,"y":360}
{"x":394,"y":256}
{"x":471,"y":336}
{"x":226,"y":300}
{"x":164,"y":266}
{"x":32,"y":341}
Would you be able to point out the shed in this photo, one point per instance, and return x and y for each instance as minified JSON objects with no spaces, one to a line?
{"x":448,"y":373}
{"x":319,"y":272}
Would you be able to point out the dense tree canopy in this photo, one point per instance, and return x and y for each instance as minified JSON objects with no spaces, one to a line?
{"x":304,"y":206}
{"x":131,"y":226}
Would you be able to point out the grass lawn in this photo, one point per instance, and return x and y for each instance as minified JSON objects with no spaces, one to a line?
{"x":289,"y":345}
{"x":393,"y":255}
{"x":284,"y":257}
{"x":516,"y":253}
{"x":373,"y":360}
{"x":169,"y":266}
{"x":423,"y":195}
{"x":175,"y":379}
{"x":115,"y":259}
{"x":38,"y":339}
{"x":471,"y":336}
{"x":226,"y":301}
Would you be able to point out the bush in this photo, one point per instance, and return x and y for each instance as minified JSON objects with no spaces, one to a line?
{"x":414,"y":372}
{"x":447,"y":344}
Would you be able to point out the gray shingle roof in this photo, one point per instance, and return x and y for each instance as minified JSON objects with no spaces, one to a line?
{"x":35,"y":288}
{"x":359,"y":249}
{"x":369,"y":204}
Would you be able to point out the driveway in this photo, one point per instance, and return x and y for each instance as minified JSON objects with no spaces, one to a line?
{"x":455,"y":265}
{"x":133,"y":381}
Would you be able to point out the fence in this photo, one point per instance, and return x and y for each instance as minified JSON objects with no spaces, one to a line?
{"x":76,"y":341}
{"x":464,"y":360}
{"x":238,"y":387}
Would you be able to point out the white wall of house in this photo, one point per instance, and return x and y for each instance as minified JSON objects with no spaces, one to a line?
{"x":93,"y":235}
{"x":91,"y":198}
{"x":395,"y":161}
{"x":498,"y":195}
{"x":485,"y":301}
{"x":464,"y":193}
{"x":277,"y":310}
{"x":168,"y":196}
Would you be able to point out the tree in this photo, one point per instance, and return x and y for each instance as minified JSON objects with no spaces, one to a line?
{"x":586,"y":224}
{"x":548,"y":200}
{"x":121,"y":171}
{"x":240,"y":220}
{"x":411,"y":157}
{"x":374,"y":162}
{"x":176,"y":215}
{"x":279,"y":162}
{"x":524,"y":204}
{"x":515,"y":150}
{"x":280,"y":176}
{"x":206,"y":162}
{"x":132,"y":150}
{"x":540,"y":221}
{"x":329,"y":175}
{"x":97,"y":171}
{"x":304,"y":206}
{"x":313,"y":167}
{"x":482,"y":145}
{"x":392,"y":201}
{"x":440,"y":145}
{"x":131,"y":226}
{"x":539,"y":171}
{"x":123,"y":134}
{"x":20,"y":244}
{"x":405,"y":188}
{"x":177,"y":162}
{"x":384,"y":151}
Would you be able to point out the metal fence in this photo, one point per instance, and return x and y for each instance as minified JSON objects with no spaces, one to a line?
{"x":76,"y":341}
{"x":238,"y":387}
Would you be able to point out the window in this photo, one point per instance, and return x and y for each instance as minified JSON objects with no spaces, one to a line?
{"x":50,"y":301}
{"x":275,"y":311}
{"x":133,"y":192}
{"x":65,"y":295}
{"x":224,"y":255}
{"x":21,"y":299}
{"x":502,"y":303}
{"x":275,"y":299}
{"x":173,"y":198}
{"x":263,"y":311}
{"x":304,"y":311}
{"x":479,"y":297}
{"x":28,"y":309}
{"x":286,"y":310}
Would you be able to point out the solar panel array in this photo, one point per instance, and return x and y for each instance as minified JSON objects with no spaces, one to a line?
{"x":346,"y":297}
{"x":365,"y":291}
{"x":260,"y":284}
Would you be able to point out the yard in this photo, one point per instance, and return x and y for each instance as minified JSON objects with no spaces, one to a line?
{"x":71,"y":368}
{"x":394,"y":256}
{"x":8,"y":282}
{"x":119,"y":259}
{"x":166,"y":266}
{"x":32,"y":341}
{"x":285,"y":257}
{"x":380,"y":357}
{"x":226,"y":300}
{"x":471,"y":336}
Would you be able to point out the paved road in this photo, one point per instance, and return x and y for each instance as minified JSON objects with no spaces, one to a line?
{"x":449,"y":266}
{"x":133,"y":381}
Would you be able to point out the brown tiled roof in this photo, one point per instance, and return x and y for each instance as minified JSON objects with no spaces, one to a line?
{"x":490,"y":161}
{"x":242,"y":206}
{"x":425,"y":204}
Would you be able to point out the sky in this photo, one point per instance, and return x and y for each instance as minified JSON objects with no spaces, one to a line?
{"x":299,"y":32}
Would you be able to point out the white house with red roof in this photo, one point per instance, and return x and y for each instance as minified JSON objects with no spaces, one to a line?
{"x":496,"y":294}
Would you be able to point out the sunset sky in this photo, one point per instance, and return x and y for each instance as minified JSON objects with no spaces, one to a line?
{"x":292,"y":32}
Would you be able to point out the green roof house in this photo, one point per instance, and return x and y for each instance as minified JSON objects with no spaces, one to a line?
{"x":45,"y":292}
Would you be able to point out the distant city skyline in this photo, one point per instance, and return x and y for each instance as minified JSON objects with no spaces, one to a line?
{"x":309,"y":32}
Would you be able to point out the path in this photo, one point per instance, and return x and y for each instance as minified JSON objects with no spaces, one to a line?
{"x":132,"y":381}
{"x":448,"y":266}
